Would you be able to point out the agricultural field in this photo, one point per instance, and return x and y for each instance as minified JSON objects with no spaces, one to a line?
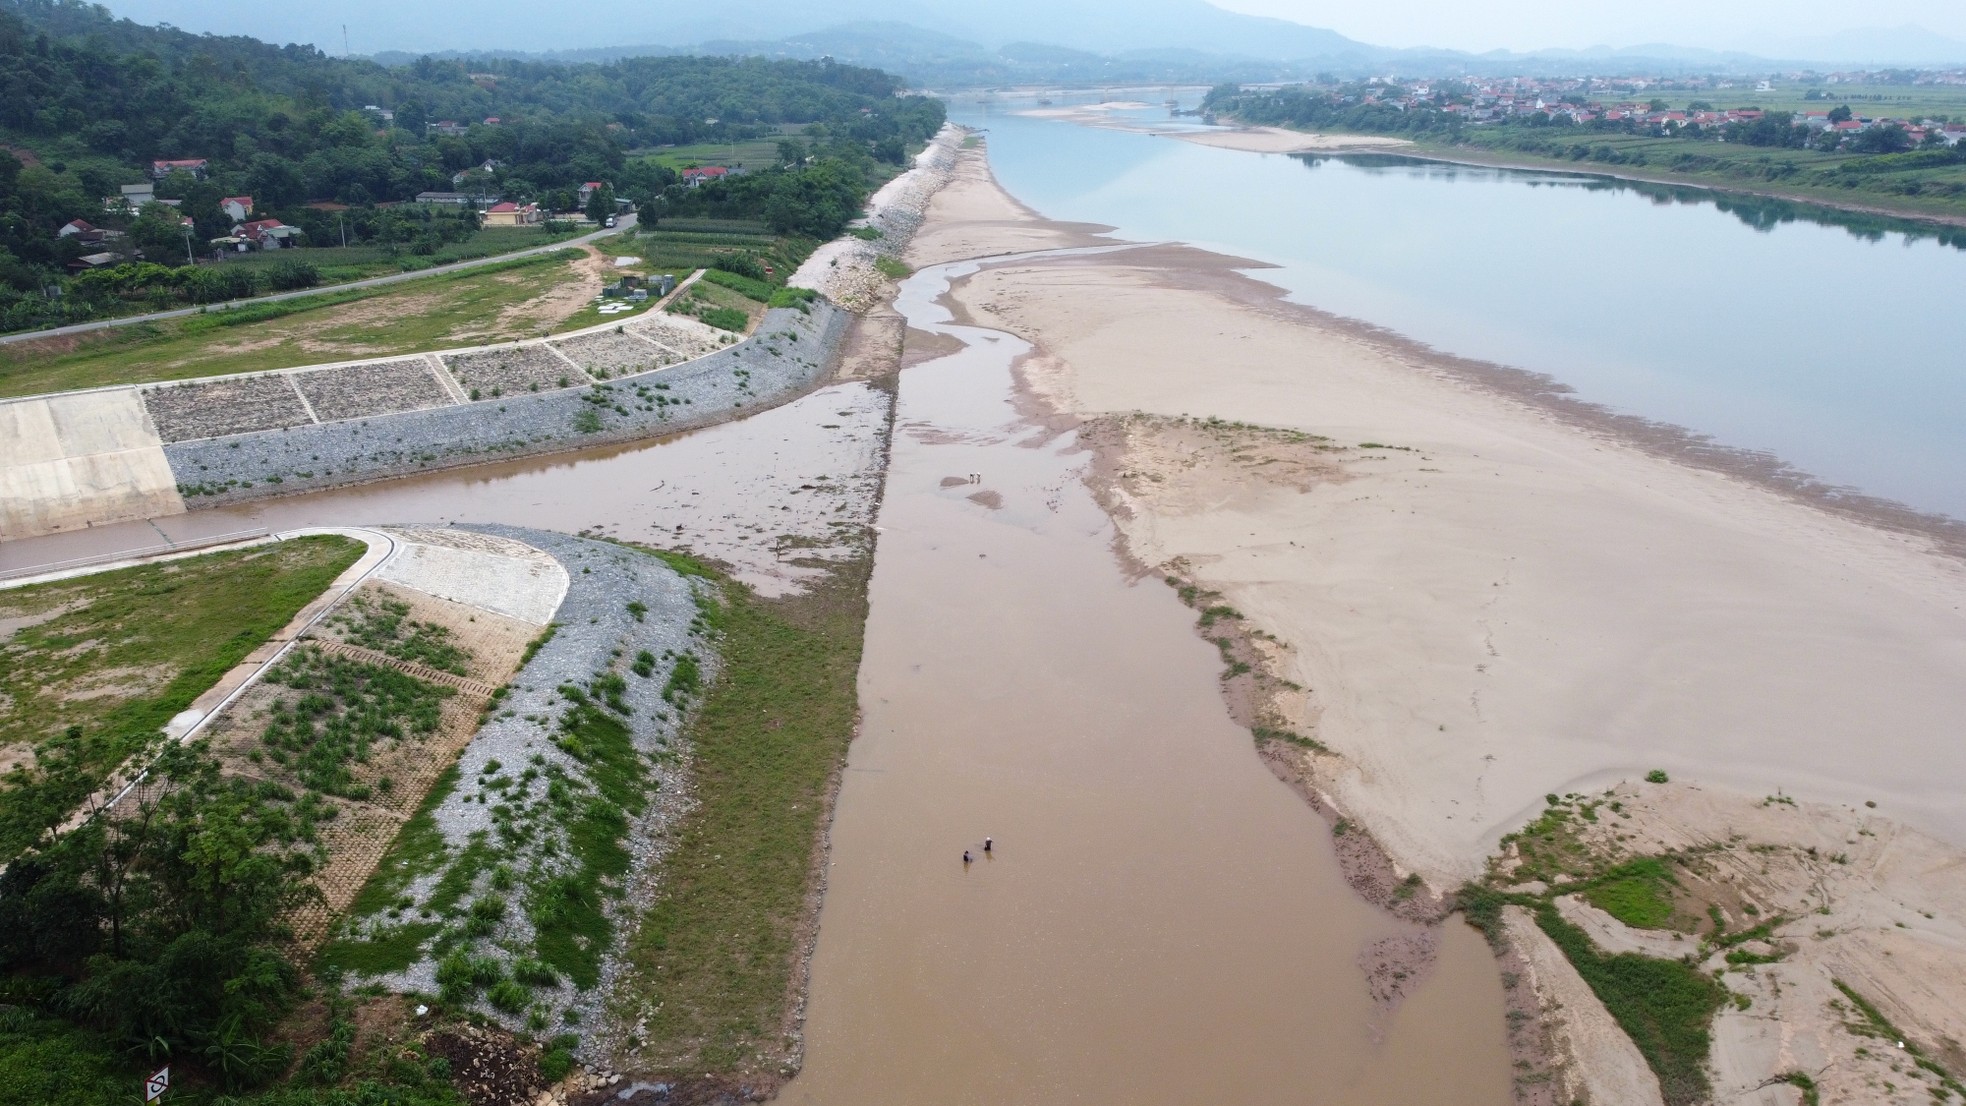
{"x":338,"y":264}
{"x":1896,"y":101}
{"x":92,"y":668}
{"x":520,"y":299}
{"x":751,"y":153}
{"x":721,"y":307}
{"x":682,"y":245}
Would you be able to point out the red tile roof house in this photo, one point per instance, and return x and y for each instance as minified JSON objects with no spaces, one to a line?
{"x":76,"y":228}
{"x":694,"y":177}
{"x":588,"y":189}
{"x":196,"y":166}
{"x":509,"y":214}
{"x":267,"y":234}
{"x":237,"y":208}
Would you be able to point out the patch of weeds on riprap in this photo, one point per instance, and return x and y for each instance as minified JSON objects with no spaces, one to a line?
{"x":505,"y":892}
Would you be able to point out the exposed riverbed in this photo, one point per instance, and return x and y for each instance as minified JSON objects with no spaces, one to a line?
{"x":1161,"y":919}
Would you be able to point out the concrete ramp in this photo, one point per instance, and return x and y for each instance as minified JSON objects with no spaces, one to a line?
{"x":71,"y":460}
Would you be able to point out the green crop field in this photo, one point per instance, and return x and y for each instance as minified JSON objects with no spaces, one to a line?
{"x":1895,"y":101}
{"x":752,"y":153}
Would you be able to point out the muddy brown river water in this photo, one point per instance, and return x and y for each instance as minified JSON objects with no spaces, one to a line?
{"x":1161,"y":921}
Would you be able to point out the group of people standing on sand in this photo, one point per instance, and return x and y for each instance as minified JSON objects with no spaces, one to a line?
{"x":988,"y":844}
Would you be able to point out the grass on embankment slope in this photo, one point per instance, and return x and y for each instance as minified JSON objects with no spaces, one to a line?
{"x":95,"y":666}
{"x":712,"y":964}
{"x":1895,"y":185}
{"x":475,"y":307}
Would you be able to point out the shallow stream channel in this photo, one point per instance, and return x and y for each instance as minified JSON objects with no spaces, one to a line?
{"x":1160,"y":919}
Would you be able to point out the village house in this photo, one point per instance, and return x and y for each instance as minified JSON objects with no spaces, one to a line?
{"x":509,"y":214}
{"x":237,"y":208}
{"x":457,"y":198}
{"x":588,"y":189}
{"x":450,"y":127}
{"x":196,"y":166}
{"x":132,"y":199}
{"x":489,"y":165}
{"x":694,"y":177}
{"x":266,"y":234}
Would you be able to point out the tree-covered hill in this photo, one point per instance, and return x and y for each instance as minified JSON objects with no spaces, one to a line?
{"x":89,"y":101}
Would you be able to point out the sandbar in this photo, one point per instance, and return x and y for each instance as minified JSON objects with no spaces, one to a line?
{"x":1485,"y":598}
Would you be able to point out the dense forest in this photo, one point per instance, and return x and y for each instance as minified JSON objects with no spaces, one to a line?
{"x":88,"y":102}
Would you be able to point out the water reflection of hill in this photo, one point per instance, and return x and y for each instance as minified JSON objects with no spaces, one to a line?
{"x":1763,"y":213}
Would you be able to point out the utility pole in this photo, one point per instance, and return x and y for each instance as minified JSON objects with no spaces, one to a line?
{"x":344,"y":41}
{"x":189,"y":258}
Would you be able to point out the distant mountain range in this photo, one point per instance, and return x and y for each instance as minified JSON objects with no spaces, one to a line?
{"x":960,"y":42}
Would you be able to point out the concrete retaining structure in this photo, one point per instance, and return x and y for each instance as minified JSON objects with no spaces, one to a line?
{"x":77,"y":459}
{"x":791,"y":352}
{"x":70,"y":460}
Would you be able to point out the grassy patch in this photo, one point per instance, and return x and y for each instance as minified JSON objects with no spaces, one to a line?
{"x":712,"y":955}
{"x":1665,"y":1006}
{"x":730,"y":245}
{"x":384,"y":625}
{"x":117,"y":654}
{"x":892,"y":268}
{"x":340,"y":711}
{"x":751,"y":153}
{"x":718,"y":306}
{"x":1636,"y":893}
{"x":412,"y":317}
{"x":573,"y":930}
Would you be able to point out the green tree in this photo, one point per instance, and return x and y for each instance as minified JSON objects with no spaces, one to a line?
{"x":1888,"y":139}
{"x":1840,"y":113}
{"x":600,"y":203}
{"x":158,"y":232}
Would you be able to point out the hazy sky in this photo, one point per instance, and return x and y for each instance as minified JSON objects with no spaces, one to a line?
{"x":1758,"y":26}
{"x":1538,"y":24}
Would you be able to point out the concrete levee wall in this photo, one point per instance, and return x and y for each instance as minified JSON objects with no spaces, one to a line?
{"x":791,"y":352}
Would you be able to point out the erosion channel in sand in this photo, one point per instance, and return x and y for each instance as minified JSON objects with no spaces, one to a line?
{"x":1161,"y":921}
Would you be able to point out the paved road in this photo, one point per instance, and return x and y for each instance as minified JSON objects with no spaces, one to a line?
{"x":624,"y":223}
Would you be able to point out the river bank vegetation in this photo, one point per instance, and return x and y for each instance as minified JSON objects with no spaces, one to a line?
{"x":1909,"y":166}
{"x":717,"y":959}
